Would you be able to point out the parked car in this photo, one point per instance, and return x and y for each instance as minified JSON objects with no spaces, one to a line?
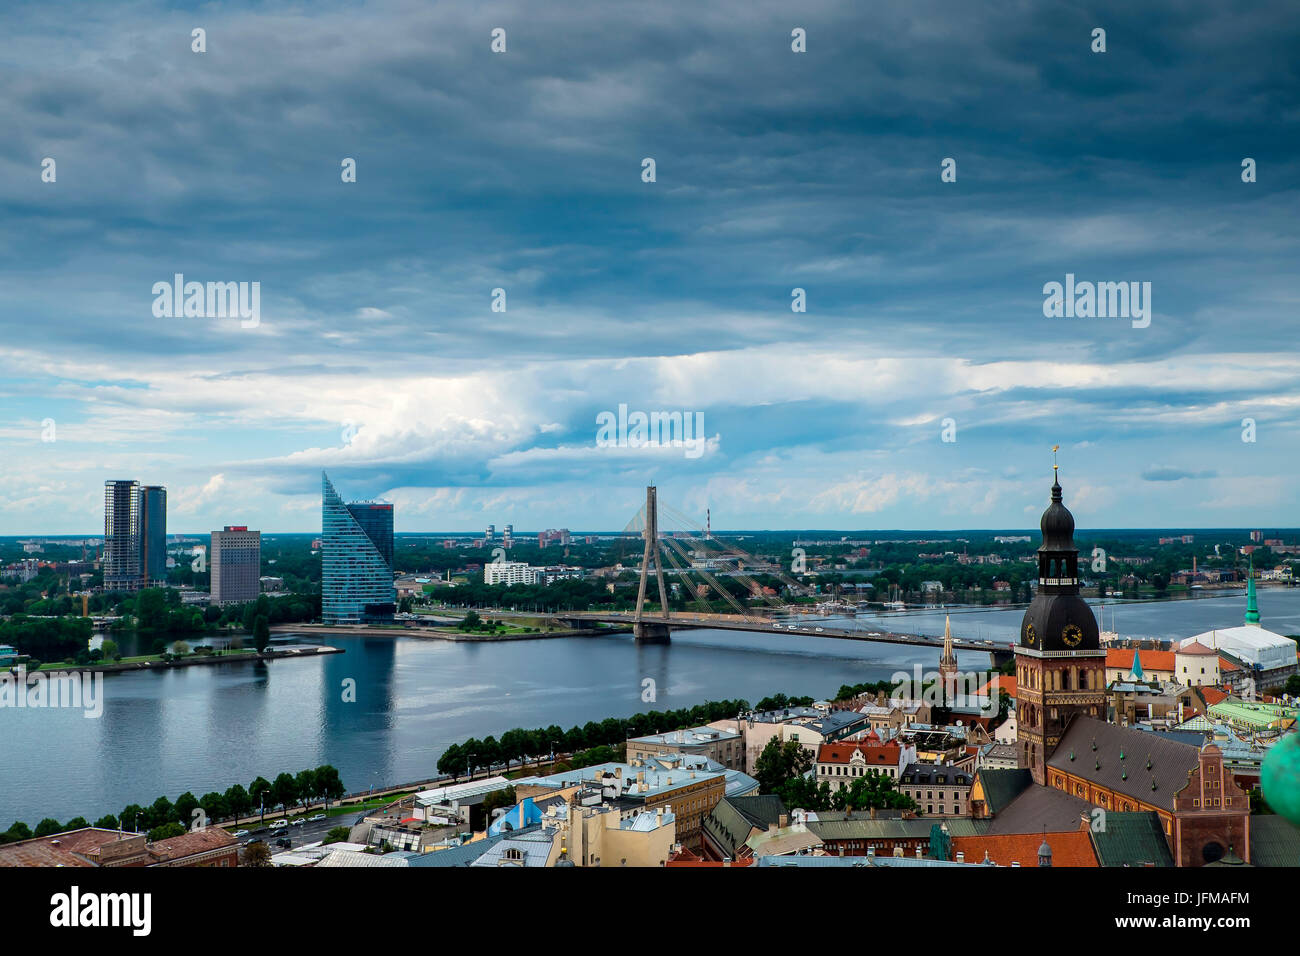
{"x":315,"y":816}
{"x":284,"y":842}
{"x":240,"y":833}
{"x":278,"y":824}
{"x":297,"y":823}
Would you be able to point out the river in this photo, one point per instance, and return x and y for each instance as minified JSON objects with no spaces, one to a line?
{"x":207,"y":727}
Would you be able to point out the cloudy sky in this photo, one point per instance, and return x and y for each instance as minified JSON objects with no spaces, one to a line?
{"x":378,"y":357}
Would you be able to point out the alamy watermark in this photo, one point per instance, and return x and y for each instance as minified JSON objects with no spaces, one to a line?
{"x":651,"y":430}
{"x":964,"y":688}
{"x":215,"y":300}
{"x":1100,"y":300}
{"x":81,"y":689}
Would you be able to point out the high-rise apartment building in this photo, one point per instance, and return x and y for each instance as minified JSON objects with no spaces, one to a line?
{"x":135,"y":535}
{"x":510,"y":572}
{"x":236,"y":563}
{"x":153,"y":535}
{"x":356,"y":568}
{"x":122,"y":570}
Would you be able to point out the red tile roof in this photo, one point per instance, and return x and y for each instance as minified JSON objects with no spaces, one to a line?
{"x":883,"y":754}
{"x":1071,"y":848}
{"x":1004,"y":682}
{"x":1213,"y":695}
{"x":92,"y":846}
{"x":1151,"y":660}
{"x":1196,"y":649}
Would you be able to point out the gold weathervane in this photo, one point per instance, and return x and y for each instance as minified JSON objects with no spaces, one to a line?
{"x":1055,"y":466}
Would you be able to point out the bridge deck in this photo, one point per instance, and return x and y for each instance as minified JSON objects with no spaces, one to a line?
{"x":722,"y":622}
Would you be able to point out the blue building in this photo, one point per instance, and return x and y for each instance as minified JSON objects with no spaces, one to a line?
{"x":153,"y":534}
{"x":356,"y":577}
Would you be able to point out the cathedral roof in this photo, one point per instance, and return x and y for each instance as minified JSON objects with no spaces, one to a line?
{"x":1116,"y":758}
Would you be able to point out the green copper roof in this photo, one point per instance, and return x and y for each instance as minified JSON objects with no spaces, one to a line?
{"x":1131,"y":839}
{"x":1137,"y":666}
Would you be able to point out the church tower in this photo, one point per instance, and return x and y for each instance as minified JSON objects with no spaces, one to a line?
{"x":948,"y":661}
{"x":1060,"y":664}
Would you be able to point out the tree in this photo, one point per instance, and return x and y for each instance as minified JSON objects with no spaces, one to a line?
{"x":452,"y":761}
{"x":512,"y":746}
{"x":305,"y":784}
{"x":256,"y":853}
{"x":107,"y":822}
{"x":779,"y":762}
{"x":214,"y":806}
{"x":159,"y":813}
{"x":259,"y":791}
{"x":329,"y":784}
{"x":284,"y":791}
{"x":167,"y":830}
{"x":48,"y":826}
{"x":1293,"y":685}
{"x":873,"y":790}
{"x":337,"y":834}
{"x":111,"y":652}
{"x":132,"y":816}
{"x":804,"y":793}
{"x":238,"y":801}
{"x":18,"y":831}
{"x":186,"y":804}
{"x":261,"y":633}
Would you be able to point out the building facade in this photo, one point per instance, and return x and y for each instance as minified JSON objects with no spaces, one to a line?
{"x":356,"y":579}
{"x":509,"y":572}
{"x":122,"y":570}
{"x":235,"y":563}
{"x":938,"y":789}
{"x":153,"y":535}
{"x":719,"y":744}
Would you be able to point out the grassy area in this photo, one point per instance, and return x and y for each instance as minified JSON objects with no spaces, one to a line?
{"x":143,"y":658}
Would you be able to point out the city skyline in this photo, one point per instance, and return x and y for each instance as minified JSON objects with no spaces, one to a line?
{"x":377,"y":354}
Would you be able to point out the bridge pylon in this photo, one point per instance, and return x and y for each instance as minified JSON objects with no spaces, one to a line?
{"x":651,"y":632}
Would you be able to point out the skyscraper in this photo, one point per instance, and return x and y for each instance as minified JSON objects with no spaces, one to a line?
{"x":153,"y":535}
{"x":356,"y":576}
{"x":236,"y":565}
{"x":121,"y":535}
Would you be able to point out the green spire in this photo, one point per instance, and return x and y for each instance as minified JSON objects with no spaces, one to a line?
{"x":1137,"y":667}
{"x":1252,"y":609}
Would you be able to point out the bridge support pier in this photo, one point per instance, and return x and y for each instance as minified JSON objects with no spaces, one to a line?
{"x":998,"y":658}
{"x":647,"y":633}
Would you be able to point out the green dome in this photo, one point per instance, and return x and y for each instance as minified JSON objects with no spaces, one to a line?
{"x":1280,"y":777}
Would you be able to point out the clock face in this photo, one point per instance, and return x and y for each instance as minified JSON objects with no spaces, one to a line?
{"x":1031,"y":636}
{"x":1072,"y":635}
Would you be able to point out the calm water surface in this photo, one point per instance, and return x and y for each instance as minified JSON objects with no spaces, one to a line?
{"x":205,"y":728}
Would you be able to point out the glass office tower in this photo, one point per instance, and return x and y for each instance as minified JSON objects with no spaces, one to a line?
{"x":153,"y":535}
{"x":122,"y":535}
{"x":356,"y":578}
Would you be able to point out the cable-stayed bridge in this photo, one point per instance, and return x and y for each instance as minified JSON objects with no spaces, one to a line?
{"x":693,"y":554}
